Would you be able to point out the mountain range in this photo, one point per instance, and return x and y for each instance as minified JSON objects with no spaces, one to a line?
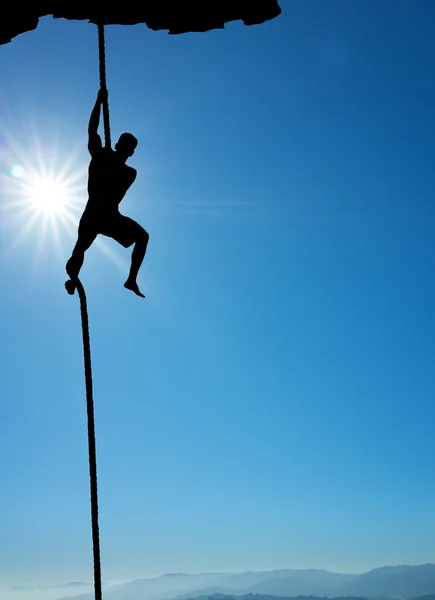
{"x":400,"y":583}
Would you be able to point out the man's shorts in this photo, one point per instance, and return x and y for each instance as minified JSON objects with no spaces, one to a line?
{"x":122,"y":229}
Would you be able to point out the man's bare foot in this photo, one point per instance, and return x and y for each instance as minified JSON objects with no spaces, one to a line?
{"x":132,"y":285}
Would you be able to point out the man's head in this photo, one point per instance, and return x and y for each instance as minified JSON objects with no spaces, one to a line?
{"x":126,"y":145}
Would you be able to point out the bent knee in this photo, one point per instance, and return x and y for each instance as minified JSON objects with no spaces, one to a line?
{"x":143,"y":236}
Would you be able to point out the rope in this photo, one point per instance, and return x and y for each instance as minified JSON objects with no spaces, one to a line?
{"x":91,"y":440}
{"x":103,"y":83}
{"x":70,"y":287}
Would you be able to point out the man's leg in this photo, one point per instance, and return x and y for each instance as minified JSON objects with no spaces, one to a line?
{"x":137,"y":256}
{"x":127,"y":232}
{"x":86,"y":236}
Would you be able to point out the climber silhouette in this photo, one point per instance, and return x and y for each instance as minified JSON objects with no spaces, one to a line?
{"x":109,"y":178}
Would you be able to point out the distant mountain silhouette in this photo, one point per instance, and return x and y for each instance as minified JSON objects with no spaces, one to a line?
{"x":385,"y":583}
{"x":268,"y":597}
{"x":283,"y":582}
{"x":312,"y":582}
{"x":394,"y":582}
{"x":401,"y":582}
{"x":161,"y":588}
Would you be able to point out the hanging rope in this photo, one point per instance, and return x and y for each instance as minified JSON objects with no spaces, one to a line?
{"x":91,"y":439}
{"x":71,"y":286}
{"x":103,"y":84}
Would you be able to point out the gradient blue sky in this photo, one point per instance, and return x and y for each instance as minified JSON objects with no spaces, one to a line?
{"x":270,"y":404}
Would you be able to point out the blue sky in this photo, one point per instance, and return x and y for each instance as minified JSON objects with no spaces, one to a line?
{"x":270,"y":403}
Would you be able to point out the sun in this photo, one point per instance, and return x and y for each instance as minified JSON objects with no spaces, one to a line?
{"x":47,"y":195}
{"x":43,"y":193}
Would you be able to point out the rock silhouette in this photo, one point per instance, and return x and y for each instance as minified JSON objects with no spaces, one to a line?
{"x":176,"y":16}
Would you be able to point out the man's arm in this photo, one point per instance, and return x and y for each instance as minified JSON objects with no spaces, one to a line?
{"x":94,"y":140}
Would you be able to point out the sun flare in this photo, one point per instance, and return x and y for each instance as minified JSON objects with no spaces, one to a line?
{"x":43,"y":195}
{"x":47,"y":195}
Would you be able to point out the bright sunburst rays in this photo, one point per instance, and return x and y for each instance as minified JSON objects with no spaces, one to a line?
{"x":43,"y":194}
{"x":47,"y":195}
